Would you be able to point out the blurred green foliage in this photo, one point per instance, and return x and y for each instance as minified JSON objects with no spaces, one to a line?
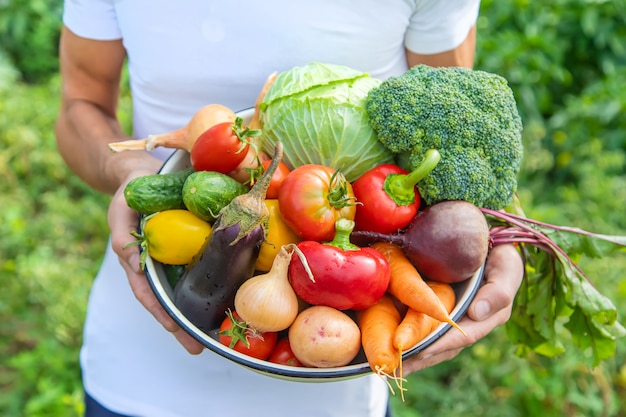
{"x":565,"y":61}
{"x":47,"y":258}
{"x":29,"y":36}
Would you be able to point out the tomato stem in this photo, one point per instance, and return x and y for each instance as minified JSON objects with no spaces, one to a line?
{"x":141,"y":241}
{"x":238,"y":332}
{"x":338,"y":196}
{"x":244,"y":134}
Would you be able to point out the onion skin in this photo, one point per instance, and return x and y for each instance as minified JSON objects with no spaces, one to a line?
{"x":267,"y":302}
{"x":204,"y":119}
{"x":182,"y":138}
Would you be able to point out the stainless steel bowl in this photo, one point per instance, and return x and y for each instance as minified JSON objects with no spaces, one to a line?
{"x":158,"y":280}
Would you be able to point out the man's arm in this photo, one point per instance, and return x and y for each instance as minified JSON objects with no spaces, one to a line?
{"x":461,"y":56}
{"x":91,"y":72}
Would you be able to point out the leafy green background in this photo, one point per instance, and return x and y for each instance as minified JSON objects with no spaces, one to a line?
{"x":565,"y":60}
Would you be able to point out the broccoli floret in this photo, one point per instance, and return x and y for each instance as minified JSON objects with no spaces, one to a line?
{"x":469,"y":116}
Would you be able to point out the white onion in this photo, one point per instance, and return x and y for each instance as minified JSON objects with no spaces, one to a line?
{"x":267,"y":302}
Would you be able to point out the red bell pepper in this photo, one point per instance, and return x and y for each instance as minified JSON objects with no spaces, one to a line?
{"x":344,"y":276}
{"x":387,"y":199}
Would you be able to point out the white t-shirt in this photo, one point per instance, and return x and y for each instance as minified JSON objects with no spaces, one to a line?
{"x":183,"y":55}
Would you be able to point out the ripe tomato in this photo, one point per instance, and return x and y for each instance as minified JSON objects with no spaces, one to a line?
{"x":236,"y":334}
{"x":222,"y":147}
{"x":174,"y":237}
{"x":283,"y":354}
{"x":312,"y":198}
{"x":277,"y":179}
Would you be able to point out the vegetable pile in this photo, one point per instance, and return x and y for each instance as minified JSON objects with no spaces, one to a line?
{"x":358,"y":208}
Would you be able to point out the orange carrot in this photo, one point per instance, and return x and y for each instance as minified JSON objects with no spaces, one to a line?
{"x":413,"y":328}
{"x":415,"y":325}
{"x":445,"y":292}
{"x":407,"y":285}
{"x":378,"y":324}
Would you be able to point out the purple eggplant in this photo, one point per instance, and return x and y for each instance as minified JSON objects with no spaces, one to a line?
{"x":207,"y":288}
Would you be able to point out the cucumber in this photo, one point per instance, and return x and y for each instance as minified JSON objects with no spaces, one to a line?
{"x":173,"y":273}
{"x":153,"y":193}
{"x":206,"y":193}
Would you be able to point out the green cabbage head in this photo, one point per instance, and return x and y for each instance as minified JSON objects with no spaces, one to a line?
{"x":318,"y":112}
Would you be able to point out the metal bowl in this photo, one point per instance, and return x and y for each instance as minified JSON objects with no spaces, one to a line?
{"x":157,"y":277}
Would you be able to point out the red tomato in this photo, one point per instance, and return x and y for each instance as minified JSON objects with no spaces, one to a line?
{"x":312,"y":198}
{"x":222,"y":147}
{"x":236,"y":334}
{"x":283,"y":354}
{"x":277,"y":179}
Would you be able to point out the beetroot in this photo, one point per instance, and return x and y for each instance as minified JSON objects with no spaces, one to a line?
{"x":447,"y":241}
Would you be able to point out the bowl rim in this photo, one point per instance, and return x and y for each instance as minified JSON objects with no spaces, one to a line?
{"x":209,"y":341}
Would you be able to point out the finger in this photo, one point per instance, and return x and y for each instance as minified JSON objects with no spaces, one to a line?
{"x":144,"y":294}
{"x":503,"y":276}
{"x":189,"y":343}
{"x":491,"y":308}
{"x":417,"y":364}
{"x":122,"y":221}
{"x":453,"y":342}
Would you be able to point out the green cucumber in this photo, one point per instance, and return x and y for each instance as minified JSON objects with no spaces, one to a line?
{"x":173,"y":273}
{"x":153,"y":193}
{"x":206,"y":193}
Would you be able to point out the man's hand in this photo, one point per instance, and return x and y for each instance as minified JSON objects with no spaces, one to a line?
{"x":490,"y":308}
{"x":123,"y":220}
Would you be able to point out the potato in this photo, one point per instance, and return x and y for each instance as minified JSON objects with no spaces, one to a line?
{"x":324,"y":337}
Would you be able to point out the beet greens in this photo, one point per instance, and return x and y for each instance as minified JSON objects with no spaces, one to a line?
{"x":555,"y":289}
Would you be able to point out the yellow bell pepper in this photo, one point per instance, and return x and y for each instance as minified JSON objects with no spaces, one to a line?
{"x":278,"y":234}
